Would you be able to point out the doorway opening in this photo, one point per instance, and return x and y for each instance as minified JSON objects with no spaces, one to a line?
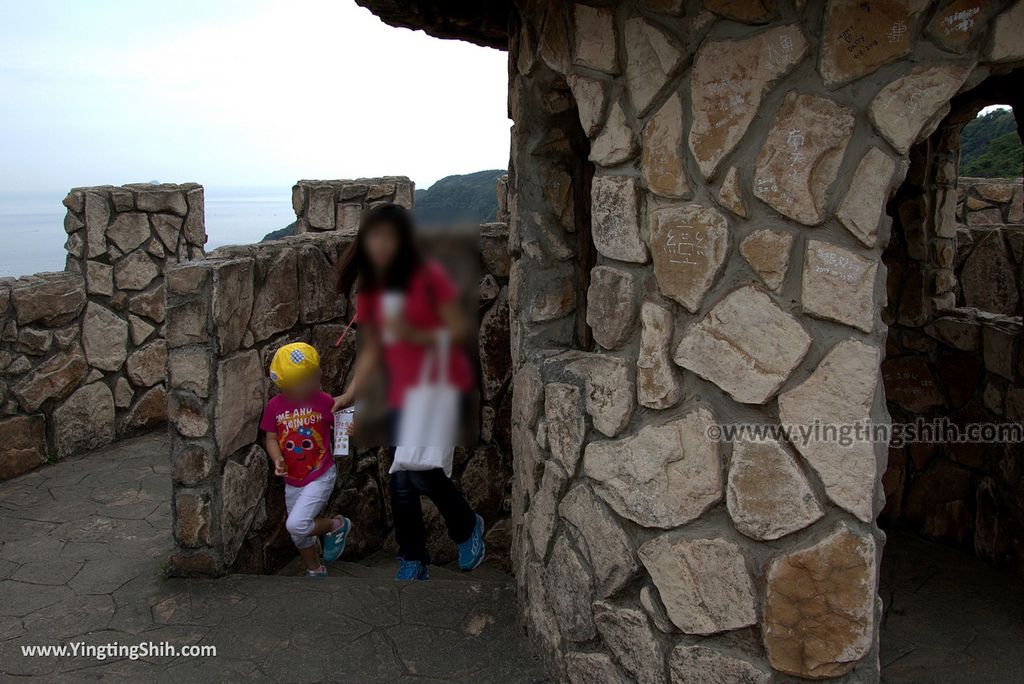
{"x":954,"y":511}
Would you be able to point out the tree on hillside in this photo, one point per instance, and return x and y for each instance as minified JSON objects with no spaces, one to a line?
{"x":990,"y":146}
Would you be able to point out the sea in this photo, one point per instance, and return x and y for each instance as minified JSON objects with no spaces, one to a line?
{"x":32,"y":224}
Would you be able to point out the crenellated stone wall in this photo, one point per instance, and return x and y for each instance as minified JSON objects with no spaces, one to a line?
{"x":82,"y":353}
{"x":337,"y":204}
{"x":226,"y":317}
{"x":698,"y":197}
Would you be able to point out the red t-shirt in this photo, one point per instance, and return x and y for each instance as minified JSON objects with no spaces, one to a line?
{"x":429,"y":288}
{"x":304,"y":434}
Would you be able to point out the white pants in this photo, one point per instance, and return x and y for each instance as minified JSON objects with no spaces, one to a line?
{"x":304,"y":504}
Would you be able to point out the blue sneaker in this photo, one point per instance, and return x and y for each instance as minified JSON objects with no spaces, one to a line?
{"x":319,"y":573}
{"x":334,"y":542}
{"x":409,"y":570}
{"x":471,"y":551}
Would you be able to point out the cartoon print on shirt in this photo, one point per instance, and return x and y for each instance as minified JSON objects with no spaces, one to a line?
{"x":303,"y":449}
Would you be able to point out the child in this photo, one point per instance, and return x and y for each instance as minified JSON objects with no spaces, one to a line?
{"x":298,"y":426}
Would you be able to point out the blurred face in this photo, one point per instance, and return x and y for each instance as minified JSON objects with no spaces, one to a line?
{"x":303,"y":390}
{"x":381,"y":245}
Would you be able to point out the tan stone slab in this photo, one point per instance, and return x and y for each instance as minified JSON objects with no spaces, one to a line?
{"x":958,"y":22}
{"x":862,"y":209}
{"x":594,"y":37}
{"x":729,"y":80}
{"x":838,"y":285}
{"x":651,"y":59}
{"x":861,"y":36}
{"x":1005,"y":44}
{"x":767,"y":252}
{"x":801,"y":156}
{"x":911,"y":105}
{"x":688,"y":243}
{"x":730,"y":195}
{"x":746,"y":345}
{"x":839,"y":392}
{"x":820,"y":606}
{"x":663,"y":165}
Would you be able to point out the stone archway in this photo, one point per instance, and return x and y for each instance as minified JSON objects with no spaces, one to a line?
{"x":955,"y":322}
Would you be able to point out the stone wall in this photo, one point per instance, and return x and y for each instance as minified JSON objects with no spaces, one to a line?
{"x":958,"y":360}
{"x":989,"y":245}
{"x":226,"y":317}
{"x":725,"y":167}
{"x":337,"y":204}
{"x":82,"y":353}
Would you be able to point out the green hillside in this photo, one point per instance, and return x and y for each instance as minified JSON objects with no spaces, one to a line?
{"x":467,"y":198}
{"x":990,"y":147}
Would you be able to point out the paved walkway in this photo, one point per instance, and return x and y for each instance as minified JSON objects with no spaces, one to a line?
{"x":82,"y":546}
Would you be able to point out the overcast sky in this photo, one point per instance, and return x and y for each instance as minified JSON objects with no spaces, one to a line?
{"x":237,"y":93}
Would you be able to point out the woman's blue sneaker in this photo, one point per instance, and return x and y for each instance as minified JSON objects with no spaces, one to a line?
{"x":471,"y":551}
{"x":334,"y":542}
{"x":409,"y":570}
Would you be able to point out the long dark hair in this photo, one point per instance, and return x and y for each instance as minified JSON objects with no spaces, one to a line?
{"x":355,"y":267}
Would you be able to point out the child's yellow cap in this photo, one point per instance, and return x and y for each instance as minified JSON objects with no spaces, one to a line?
{"x":293,"y":363}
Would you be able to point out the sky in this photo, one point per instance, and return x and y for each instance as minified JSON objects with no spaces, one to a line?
{"x":237,"y":93}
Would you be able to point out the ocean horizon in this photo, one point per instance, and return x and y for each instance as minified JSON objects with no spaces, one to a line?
{"x":32,"y":224}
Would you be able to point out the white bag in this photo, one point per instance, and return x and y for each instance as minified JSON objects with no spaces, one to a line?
{"x":429,"y":420}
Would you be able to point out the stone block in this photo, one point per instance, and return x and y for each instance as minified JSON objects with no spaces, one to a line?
{"x":908,"y":107}
{"x":188,"y":415}
{"x":590,"y":97}
{"x":628,"y":634}
{"x":662,"y":161}
{"x":609,"y":391}
{"x":232,"y":302}
{"x":104,"y":338}
{"x":239,"y":400}
{"x":615,"y":143}
{"x":616,"y":223}
{"x":51,"y":299}
{"x":148,"y":365}
{"x":730,"y":195}
{"x":242,"y":491}
{"x":956,"y":23}
{"x":24,"y":440}
{"x":859,"y":38}
{"x":151,"y":304}
{"x":149,"y":411}
{"x":704,"y":583}
{"x":703,"y":665}
{"x":605,"y":543}
{"x":663,"y":476}
{"x":840,"y":392}
{"x":863,"y":206}
{"x":801,"y":156}
{"x":320,"y":212}
{"x":129,"y":230}
{"x":839,"y":285}
{"x":820,"y":606}
{"x":191,"y":462}
{"x":1004,"y":43}
{"x":656,"y":382}
{"x":135,"y":271}
{"x":84,"y":421}
{"x":651,"y":59}
{"x":730,"y":79}
{"x":909,"y":383}
{"x":563,"y":415}
{"x":768,"y":495}
{"x":767,"y":252}
{"x":192,"y":519}
{"x":495,"y":356}
{"x":275,"y":305}
{"x":55,"y":378}
{"x":162,"y":199}
{"x":595,"y":39}
{"x":689,"y":243}
{"x":746,"y":345}
{"x":612,"y":305}
{"x":570,"y":592}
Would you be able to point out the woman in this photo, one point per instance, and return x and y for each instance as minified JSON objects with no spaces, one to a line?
{"x":392,"y":274}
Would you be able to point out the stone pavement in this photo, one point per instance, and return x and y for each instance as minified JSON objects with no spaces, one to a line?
{"x":949,"y":617}
{"x":82,"y":547}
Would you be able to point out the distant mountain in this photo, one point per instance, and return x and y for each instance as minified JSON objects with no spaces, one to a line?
{"x":466,"y":198}
{"x":990,"y":147}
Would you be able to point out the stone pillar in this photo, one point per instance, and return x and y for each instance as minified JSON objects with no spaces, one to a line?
{"x":226,"y":316}
{"x":743,"y":154}
{"x":337,"y":204}
{"x":82,"y":353}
